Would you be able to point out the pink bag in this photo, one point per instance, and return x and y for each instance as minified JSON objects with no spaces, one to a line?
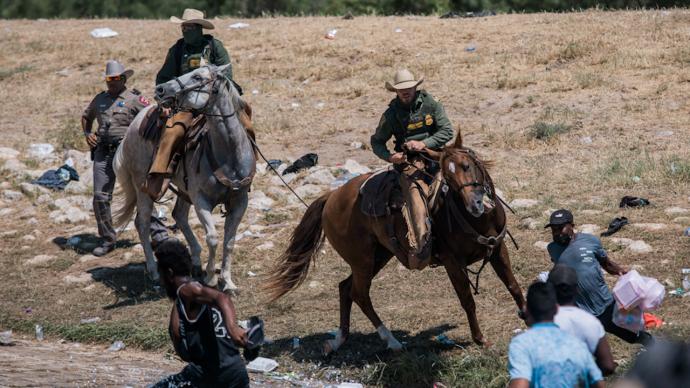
{"x":629,"y":290}
{"x":653,"y":294}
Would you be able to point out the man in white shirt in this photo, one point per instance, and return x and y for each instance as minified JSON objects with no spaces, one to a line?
{"x":578,"y":322}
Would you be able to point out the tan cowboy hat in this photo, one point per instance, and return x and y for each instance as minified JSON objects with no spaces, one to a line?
{"x":114,"y":68}
{"x":193,"y":16}
{"x":403,"y":80}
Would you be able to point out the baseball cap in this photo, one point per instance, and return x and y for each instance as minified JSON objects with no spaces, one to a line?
{"x":560,"y":217}
{"x":562,"y":275}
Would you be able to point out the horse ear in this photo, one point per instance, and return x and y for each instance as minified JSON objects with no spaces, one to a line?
{"x":222,"y":68}
{"x":458,"y":140}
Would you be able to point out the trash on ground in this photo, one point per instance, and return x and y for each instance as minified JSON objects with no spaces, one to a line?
{"x":262,"y":365}
{"x":651,"y":321}
{"x":238,"y":25}
{"x":90,"y":320}
{"x":255,"y":91}
{"x":357,"y":145}
{"x":6,"y":338}
{"x":295,"y":105}
{"x":295,"y":342}
{"x":471,"y":48}
{"x":686,"y":233}
{"x":57,"y":179}
{"x":103,"y":33}
{"x":28,"y":310}
{"x":275,"y":163}
{"x":629,"y":201}
{"x":543,"y":276}
{"x":479,"y":14}
{"x":586,"y":140}
{"x":331,"y":34}
{"x":342,"y":179}
{"x":398,"y":30}
{"x":116,"y":346}
{"x":678,"y":292}
{"x":320,"y":105}
{"x":444,"y":340}
{"x":615,"y":225}
{"x":39,"y":332}
{"x":304,"y":162}
{"x":40,"y":150}
{"x":349,"y":385}
{"x":686,"y":278}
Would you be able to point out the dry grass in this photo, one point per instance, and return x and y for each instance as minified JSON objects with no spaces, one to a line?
{"x":619,"y":78}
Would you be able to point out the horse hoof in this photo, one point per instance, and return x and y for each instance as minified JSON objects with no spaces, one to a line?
{"x":211,"y":281}
{"x":233,"y":292}
{"x":482,"y":342}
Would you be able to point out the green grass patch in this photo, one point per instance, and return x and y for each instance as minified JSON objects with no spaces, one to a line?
{"x":68,"y":135}
{"x":7,"y":73}
{"x":543,"y":130}
{"x":276,"y":218}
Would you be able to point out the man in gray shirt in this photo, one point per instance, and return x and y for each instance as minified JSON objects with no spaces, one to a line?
{"x":583,"y":252}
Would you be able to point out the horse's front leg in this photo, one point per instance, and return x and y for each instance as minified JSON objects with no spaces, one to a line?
{"x":461,"y":284}
{"x":181,"y":216}
{"x":500,"y":261}
{"x":203,"y":211}
{"x":142,"y":222}
{"x":235,"y":208}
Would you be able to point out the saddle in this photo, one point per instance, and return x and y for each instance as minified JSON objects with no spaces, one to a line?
{"x":380,"y":194}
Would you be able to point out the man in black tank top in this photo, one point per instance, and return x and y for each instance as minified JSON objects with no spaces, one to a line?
{"x":203,"y":325}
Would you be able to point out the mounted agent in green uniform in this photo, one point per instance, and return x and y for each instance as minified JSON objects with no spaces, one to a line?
{"x":416,"y":122}
{"x":187,"y":54}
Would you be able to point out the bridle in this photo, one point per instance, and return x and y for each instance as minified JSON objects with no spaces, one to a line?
{"x":485,"y":180}
{"x":197,"y":87}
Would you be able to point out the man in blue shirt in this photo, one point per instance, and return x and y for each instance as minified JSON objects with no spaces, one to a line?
{"x":546,"y":356}
{"x":583,"y":253}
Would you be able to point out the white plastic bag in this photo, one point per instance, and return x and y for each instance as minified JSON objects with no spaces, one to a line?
{"x":629,"y":290}
{"x":632,"y":319}
{"x":654,"y":293}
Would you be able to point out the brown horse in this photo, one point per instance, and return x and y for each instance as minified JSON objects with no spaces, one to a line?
{"x":465,"y":231}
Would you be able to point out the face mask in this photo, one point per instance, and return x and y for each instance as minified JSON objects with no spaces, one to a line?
{"x":194,"y":36}
{"x":562,"y":239}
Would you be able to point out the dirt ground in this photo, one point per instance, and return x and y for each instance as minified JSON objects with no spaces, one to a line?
{"x":614,"y":83}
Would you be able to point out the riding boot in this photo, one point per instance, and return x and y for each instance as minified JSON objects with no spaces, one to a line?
{"x":105,"y":227}
{"x":159,"y":173}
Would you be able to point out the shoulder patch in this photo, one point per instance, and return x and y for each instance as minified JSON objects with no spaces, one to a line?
{"x":136,"y":91}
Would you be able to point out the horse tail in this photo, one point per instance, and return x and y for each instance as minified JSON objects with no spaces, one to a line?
{"x":293,"y":264}
{"x":124,"y":208}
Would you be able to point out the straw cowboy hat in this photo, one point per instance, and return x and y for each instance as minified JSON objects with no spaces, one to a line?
{"x":114,"y":68}
{"x":403,"y":80}
{"x":193,"y":16}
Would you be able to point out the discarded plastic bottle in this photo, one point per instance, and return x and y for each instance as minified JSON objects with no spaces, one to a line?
{"x":39,"y":332}
{"x":116,"y":346}
{"x":686,"y":278}
{"x":331,"y":34}
{"x":295,"y":342}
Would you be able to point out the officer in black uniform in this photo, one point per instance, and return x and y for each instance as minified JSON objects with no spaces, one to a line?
{"x":113,"y":109}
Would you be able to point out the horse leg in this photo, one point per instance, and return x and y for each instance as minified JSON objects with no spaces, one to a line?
{"x":461,"y":284}
{"x":345,"y":291}
{"x":500,"y":261}
{"x":235,"y":209}
{"x":203,"y":211}
{"x":181,"y":216}
{"x":143,"y":224}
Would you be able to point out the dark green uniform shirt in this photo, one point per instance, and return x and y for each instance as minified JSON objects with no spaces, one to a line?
{"x":183,"y":58}
{"x":424,"y":120}
{"x":114,"y":114}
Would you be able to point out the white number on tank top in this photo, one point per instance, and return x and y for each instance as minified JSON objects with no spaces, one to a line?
{"x":218,"y":324}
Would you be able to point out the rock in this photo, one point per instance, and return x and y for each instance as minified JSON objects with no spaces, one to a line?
{"x":14,"y":166}
{"x":78,"y":279}
{"x":44,"y":198}
{"x":81,"y":160}
{"x":586,"y":140}
{"x":357,"y":145}
{"x":314,"y":284}
{"x":32,"y":190}
{"x":355,"y":168}
{"x":265,"y":246}
{"x":682,"y":220}
{"x":41,"y":151}
{"x":8,"y":233}
{"x":87,"y":258}
{"x":588,"y":228}
{"x":529,"y":223}
{"x":634,"y":246}
{"x":6,"y":212}
{"x":649,"y":226}
{"x":275,"y":181}
{"x":29,"y":212}
{"x":70,"y":215}
{"x":40,"y":259}
{"x":523,"y":203}
{"x":5,"y":185}
{"x":590,"y":212}
{"x":541,"y":245}
{"x":28,"y":237}
{"x":664,"y":134}
{"x":259,"y":201}
{"x":32,"y":221}
{"x":320,"y":177}
{"x":672,"y":211}
{"x":8,"y":153}
{"x":12,"y":195}
{"x":261,"y":168}
{"x":76,"y":187}
{"x":81,"y":201}
{"x":308,"y":190}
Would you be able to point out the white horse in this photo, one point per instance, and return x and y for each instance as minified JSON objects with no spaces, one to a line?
{"x":219,"y":171}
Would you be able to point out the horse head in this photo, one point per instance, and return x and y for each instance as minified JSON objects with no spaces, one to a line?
{"x":192,"y":91}
{"x":466,"y":175}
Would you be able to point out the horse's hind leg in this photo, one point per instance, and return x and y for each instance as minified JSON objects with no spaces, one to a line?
{"x":461,"y":284}
{"x":143,"y":224}
{"x":235,"y":208}
{"x":181,"y":216}
{"x":500,"y":261}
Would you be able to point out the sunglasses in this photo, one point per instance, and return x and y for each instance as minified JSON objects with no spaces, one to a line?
{"x":113,"y":78}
